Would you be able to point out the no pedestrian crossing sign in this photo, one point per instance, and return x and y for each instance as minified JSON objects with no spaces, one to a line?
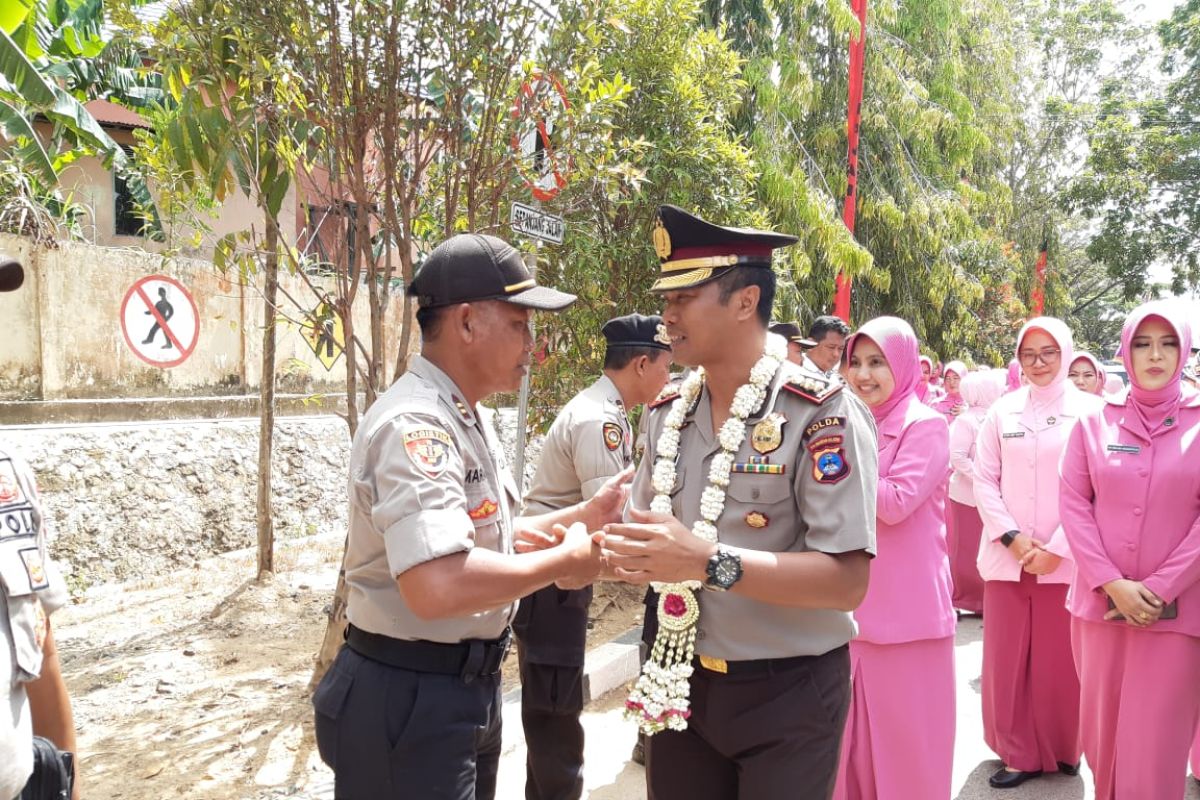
{"x":159,"y":321}
{"x":536,"y":224}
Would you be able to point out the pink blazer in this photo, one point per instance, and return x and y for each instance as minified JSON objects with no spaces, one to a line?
{"x":1131,"y":509}
{"x":1016,"y":477}
{"x":963,"y":432}
{"x":908,"y":598}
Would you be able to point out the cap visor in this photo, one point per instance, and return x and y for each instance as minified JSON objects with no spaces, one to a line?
{"x":542,"y":298}
{"x":12,"y":275}
{"x":805,"y":342}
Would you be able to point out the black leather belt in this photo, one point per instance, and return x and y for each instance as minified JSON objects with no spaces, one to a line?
{"x":761,"y":666}
{"x":470,"y":658}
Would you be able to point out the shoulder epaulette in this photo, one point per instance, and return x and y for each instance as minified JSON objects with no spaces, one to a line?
{"x":669,"y":393}
{"x":812,"y":388}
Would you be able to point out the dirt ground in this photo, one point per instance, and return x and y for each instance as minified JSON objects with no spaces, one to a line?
{"x":195,"y":685}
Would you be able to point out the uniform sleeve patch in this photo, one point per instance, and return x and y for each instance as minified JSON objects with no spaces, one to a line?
{"x":485,"y":509}
{"x":613,"y":435}
{"x":11,"y":493}
{"x":32,"y":558}
{"x":428,"y":449}
{"x":823,"y":424}
{"x":829,"y":461}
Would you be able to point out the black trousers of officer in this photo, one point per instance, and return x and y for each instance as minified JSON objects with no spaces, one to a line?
{"x":551,"y":629}
{"x":766,"y":730}
{"x":389,"y":732}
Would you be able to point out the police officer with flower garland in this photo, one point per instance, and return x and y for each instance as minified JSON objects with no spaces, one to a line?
{"x":589,"y":442}
{"x":754,"y":512}
{"x":411,"y":706}
{"x":37,"y":729}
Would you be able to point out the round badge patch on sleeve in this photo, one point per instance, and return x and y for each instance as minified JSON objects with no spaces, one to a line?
{"x":612,"y":435}
{"x":829,"y":460}
{"x":428,"y":449}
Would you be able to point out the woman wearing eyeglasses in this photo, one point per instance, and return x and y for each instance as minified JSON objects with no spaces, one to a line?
{"x":1030,"y":691}
{"x":1131,"y":512}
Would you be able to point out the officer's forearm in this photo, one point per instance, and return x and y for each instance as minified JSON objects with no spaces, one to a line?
{"x":49,"y":704}
{"x":481,"y":579}
{"x":805,"y":580}
{"x":560,"y":516}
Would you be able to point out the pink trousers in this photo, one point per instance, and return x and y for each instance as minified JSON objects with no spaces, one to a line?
{"x":899,"y":741}
{"x":1030,"y":688}
{"x":964,"y":529}
{"x":1141,"y":706}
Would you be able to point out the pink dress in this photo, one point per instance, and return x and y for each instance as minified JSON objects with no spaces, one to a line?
{"x":1029,"y":689}
{"x":899,"y":741}
{"x":964,"y":528}
{"x":1131,"y":509}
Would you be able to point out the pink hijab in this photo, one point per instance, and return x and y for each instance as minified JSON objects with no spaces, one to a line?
{"x":1155,"y":405}
{"x":1014,"y":374}
{"x":896,"y":339}
{"x":1061,"y":335}
{"x":1101,"y":375}
{"x":981,"y":389}
{"x":923,"y":387}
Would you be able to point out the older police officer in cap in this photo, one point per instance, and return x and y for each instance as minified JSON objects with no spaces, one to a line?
{"x":754,"y":513}
{"x":37,"y":730}
{"x":411,"y":706}
{"x":589,"y":442}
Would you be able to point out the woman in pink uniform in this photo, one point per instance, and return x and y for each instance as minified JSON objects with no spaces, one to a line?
{"x":1015,"y":376}
{"x":951,"y":403}
{"x":963,"y":526}
{"x":1130,"y":503}
{"x":1087,"y":373}
{"x":1030,"y":691}
{"x":926,"y":391}
{"x":899,"y":741}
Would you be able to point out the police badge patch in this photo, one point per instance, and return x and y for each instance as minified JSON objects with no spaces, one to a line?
{"x":428,"y":449}
{"x":767,"y":435}
{"x":32,"y":558}
{"x":612,"y":435}
{"x":829,"y":460}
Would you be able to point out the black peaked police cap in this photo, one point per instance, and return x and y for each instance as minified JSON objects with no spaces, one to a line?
{"x":469,"y":267}
{"x":636,"y":330}
{"x":695,"y":251}
{"x":788,"y":330}
{"x":12,"y":274}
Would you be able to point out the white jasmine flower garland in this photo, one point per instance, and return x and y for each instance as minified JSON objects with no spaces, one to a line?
{"x":660,"y":699}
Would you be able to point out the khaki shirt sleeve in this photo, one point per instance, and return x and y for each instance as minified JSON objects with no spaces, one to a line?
{"x":837,"y":495}
{"x":641,"y":491}
{"x":595,"y":461}
{"x":414,"y":478}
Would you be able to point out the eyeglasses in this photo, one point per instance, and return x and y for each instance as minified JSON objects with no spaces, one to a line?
{"x":1048,"y":356}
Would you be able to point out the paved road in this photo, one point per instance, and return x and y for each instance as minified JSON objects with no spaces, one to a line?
{"x":610,"y":775}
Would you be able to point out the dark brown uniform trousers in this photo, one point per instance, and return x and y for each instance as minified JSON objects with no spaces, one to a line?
{"x":551,"y":629}
{"x":766,"y":730}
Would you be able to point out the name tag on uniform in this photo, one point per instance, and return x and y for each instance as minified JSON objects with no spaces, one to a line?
{"x":1015,"y":435}
{"x":1124,"y":448}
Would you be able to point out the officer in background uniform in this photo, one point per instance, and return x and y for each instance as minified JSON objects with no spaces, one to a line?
{"x":771,"y":681}
{"x":31,"y":589}
{"x":795,"y":340}
{"x":589,"y":442}
{"x":411,"y":706}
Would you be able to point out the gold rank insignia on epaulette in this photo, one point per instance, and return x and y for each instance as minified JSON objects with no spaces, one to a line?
{"x":812,"y":388}
{"x":669,"y":393}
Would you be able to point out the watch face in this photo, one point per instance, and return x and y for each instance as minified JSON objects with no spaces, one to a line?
{"x":726,"y":571}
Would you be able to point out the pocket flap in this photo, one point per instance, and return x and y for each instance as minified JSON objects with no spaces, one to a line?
{"x":330,"y":696}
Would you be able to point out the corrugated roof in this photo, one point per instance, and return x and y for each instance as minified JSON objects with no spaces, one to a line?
{"x":107,"y":113}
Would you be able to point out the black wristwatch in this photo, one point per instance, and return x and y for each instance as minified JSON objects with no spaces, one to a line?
{"x":724,"y":570}
{"x":1007,"y":537}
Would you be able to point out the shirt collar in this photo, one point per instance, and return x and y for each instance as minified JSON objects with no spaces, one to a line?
{"x":450,"y":394}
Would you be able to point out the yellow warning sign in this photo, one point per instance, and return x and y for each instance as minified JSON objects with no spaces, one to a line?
{"x":323,"y":332}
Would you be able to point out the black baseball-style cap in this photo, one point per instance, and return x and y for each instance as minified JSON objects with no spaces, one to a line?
{"x":12,"y":274}
{"x":636,"y":330}
{"x":788,"y":330}
{"x":695,"y":251}
{"x":469,"y":267}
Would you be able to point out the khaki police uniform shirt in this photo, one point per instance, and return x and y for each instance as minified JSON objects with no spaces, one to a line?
{"x":427,"y":479}
{"x":824,"y":500}
{"x":589,"y":442}
{"x":32,"y":588}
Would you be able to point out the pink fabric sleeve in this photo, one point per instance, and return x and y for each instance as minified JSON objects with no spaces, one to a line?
{"x":962,"y":439}
{"x":996,"y":519}
{"x":913,"y":475}
{"x":1078,"y":515}
{"x":1180,"y":570}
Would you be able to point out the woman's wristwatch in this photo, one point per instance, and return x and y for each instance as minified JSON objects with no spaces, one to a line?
{"x":1007,"y":537}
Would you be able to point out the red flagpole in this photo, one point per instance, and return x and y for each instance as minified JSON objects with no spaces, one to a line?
{"x":841,"y":298}
{"x":1039,"y":285}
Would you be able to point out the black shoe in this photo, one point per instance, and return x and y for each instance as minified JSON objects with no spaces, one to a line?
{"x":1004,"y":779}
{"x":1068,"y":769}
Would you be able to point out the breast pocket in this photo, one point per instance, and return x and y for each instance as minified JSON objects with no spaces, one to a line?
{"x":759,"y":512}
